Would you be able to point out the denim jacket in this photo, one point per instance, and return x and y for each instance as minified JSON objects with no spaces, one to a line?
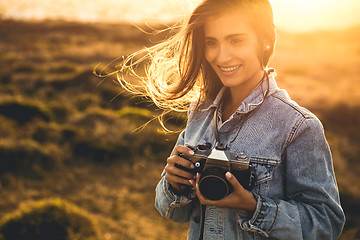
{"x":295,"y":187}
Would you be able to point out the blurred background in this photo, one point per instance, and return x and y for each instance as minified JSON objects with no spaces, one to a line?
{"x":71,"y":158}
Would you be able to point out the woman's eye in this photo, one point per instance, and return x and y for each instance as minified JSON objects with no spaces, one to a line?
{"x":236,"y":41}
{"x":210,"y":43}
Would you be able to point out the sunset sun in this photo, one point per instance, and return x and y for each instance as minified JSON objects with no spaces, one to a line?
{"x":302,"y":15}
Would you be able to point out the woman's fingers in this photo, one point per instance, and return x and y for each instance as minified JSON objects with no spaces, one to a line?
{"x":176,"y":167}
{"x":173,"y":170}
{"x":238,"y":188}
{"x":180,"y":161}
{"x":176,"y":179}
{"x":183,"y":149}
{"x":201,"y":198}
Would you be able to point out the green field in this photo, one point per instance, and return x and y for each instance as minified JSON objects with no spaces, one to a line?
{"x":67,"y":134}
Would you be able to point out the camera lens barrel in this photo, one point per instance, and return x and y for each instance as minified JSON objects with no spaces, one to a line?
{"x":213,"y":185}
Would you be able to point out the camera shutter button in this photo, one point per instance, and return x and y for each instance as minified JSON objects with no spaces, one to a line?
{"x":241,"y":156}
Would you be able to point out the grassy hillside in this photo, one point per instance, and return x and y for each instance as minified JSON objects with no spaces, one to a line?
{"x":64,"y":135}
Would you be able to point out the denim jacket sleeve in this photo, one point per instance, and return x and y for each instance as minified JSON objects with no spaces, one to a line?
{"x":169,"y":204}
{"x":311,"y":207}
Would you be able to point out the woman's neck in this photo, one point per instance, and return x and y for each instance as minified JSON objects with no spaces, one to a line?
{"x":234,"y":96}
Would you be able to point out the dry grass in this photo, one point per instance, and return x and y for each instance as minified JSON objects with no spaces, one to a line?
{"x":121,"y":197}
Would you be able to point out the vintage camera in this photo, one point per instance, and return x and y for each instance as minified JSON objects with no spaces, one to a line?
{"x":213,"y":164}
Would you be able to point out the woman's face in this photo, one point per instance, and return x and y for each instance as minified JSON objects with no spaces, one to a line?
{"x":231,"y":48}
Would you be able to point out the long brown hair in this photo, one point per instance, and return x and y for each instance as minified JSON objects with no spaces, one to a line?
{"x":176,"y":71}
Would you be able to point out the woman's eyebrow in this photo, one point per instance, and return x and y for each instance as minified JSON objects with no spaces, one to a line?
{"x":227,"y":37}
{"x":235,"y":35}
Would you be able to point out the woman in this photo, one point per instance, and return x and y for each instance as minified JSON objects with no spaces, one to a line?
{"x":218,"y":61}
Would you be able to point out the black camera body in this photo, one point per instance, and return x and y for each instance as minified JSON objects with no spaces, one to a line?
{"x":213,"y":165}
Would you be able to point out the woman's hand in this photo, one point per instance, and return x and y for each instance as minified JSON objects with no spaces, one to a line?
{"x":176,"y":176}
{"x":240,"y":198}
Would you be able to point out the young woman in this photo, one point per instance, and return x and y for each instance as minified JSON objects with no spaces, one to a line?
{"x":218,"y":63}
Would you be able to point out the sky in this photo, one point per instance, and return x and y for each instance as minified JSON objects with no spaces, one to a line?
{"x":308,"y":15}
{"x":290,"y":15}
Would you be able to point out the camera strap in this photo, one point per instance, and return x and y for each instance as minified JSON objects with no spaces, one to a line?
{"x":223,"y":146}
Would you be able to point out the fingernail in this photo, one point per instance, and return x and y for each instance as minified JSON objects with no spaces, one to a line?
{"x":191,"y":152}
{"x":192,"y":166}
{"x":228,"y":175}
{"x":191,"y":182}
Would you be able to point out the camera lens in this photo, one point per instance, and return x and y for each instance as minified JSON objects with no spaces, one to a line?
{"x":213,"y":184}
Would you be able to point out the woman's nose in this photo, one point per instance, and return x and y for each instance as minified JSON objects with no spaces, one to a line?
{"x":224,"y":54}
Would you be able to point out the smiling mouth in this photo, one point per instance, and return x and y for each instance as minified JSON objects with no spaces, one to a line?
{"x":229,"y":69}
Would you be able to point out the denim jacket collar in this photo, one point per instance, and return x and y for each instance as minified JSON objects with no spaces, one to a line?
{"x":255,"y":98}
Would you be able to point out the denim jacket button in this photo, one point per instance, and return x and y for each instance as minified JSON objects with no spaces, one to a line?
{"x":197,"y":219}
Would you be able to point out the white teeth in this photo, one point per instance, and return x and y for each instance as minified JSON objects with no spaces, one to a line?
{"x":229,"y":69}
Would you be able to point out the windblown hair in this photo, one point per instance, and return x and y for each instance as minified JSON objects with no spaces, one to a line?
{"x":176,"y":71}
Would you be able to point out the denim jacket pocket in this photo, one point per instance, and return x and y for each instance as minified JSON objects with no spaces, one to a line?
{"x":262,"y":170}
